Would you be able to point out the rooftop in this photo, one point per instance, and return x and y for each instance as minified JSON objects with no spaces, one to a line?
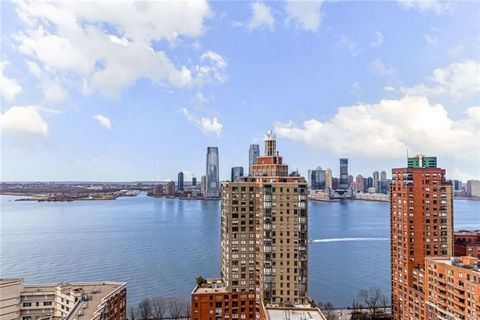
{"x":212,"y":285}
{"x":296,"y":313}
{"x":470,"y":263}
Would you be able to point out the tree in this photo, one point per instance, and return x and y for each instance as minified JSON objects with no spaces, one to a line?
{"x":132,"y":312}
{"x":200,"y":280}
{"x":327,"y":310}
{"x":176,"y":306}
{"x":145,"y":309}
{"x":159,"y":308}
{"x":372,"y":298}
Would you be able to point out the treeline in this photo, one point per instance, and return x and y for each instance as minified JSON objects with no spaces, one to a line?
{"x":160,"y":308}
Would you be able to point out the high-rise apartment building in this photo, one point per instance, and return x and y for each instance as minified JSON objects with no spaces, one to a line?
{"x":212,"y":174}
{"x":360,"y":180}
{"x":343,"y":180}
{"x":180,"y":181}
{"x":253,"y":153}
{"x":264,"y":243}
{"x":383,"y":175}
{"x":421,"y":217}
{"x":194,"y":182}
{"x":203,"y":185}
{"x":236,"y":173}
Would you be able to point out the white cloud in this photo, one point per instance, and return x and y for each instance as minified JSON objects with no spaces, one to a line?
{"x":306,"y":15}
{"x":262,"y":17}
{"x":378,"y":40}
{"x":103,"y":121}
{"x":212,"y":68}
{"x":24,"y":120}
{"x":108,"y":45}
{"x":459,"y":80}
{"x":346,"y":42}
{"x":379,"y":68}
{"x":387,"y":129}
{"x":389,"y":89}
{"x":9,"y":87}
{"x":430,"y":39}
{"x":436,"y":6}
{"x":206,"y":124}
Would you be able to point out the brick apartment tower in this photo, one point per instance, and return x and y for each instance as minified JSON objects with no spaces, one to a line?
{"x":263,"y":243}
{"x":421,"y":217}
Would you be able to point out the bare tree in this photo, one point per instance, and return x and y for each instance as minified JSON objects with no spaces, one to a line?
{"x":327,"y":310}
{"x":145,"y":309}
{"x":372,"y":298}
{"x":132,"y":312}
{"x":159,"y":308}
{"x":176,"y":306}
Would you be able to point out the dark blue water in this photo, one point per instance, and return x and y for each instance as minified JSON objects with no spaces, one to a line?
{"x":159,"y":246}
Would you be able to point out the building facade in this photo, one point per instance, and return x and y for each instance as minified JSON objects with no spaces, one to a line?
{"x":467,"y":243}
{"x":360,"y":180}
{"x":264,"y":242}
{"x":376,"y":178}
{"x":317,"y":179}
{"x":328,"y":179}
{"x":180,"y":182}
{"x":236,"y":173}
{"x":473,"y":188}
{"x":253,"y":153}
{"x":343,"y":180}
{"x":68,"y":301}
{"x":421,"y":219}
{"x":212,"y":174}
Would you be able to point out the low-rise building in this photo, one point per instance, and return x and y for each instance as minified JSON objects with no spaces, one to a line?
{"x":68,"y":301}
{"x":467,"y":243}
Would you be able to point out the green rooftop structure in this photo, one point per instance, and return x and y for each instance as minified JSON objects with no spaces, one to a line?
{"x":420,"y":161}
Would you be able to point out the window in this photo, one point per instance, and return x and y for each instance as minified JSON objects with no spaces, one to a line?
{"x":27,"y":304}
{"x":47,"y":303}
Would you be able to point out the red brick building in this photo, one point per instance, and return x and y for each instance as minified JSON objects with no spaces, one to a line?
{"x":467,"y":243}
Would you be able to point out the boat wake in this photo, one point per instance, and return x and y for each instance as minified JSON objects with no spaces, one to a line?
{"x":348,"y":239}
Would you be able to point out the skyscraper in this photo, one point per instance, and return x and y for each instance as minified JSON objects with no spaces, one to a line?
{"x":360,"y":180}
{"x":264,"y":254}
{"x":203,"y":185}
{"x":237,"y":173}
{"x":212,"y":174}
{"x":343,"y":180}
{"x":317,"y":179}
{"x":328,"y":179}
{"x":376,"y":178}
{"x":194,"y":182}
{"x":421,"y":217}
{"x":383,"y":175}
{"x":253,"y":153}
{"x":180,"y":181}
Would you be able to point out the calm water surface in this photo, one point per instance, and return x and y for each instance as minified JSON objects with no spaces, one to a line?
{"x":159,"y":246}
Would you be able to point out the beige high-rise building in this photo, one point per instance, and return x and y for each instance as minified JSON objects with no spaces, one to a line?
{"x":264,"y":232}
{"x":328,"y":178}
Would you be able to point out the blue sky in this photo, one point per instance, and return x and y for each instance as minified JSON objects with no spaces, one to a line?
{"x":137,"y":91}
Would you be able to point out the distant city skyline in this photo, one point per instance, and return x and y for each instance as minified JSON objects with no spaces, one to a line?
{"x":140,"y":94}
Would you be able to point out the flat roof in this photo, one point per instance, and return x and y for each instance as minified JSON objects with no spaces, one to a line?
{"x":295,"y":313}
{"x":212,"y":285}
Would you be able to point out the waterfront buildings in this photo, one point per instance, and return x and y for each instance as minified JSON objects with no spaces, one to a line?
{"x":467,"y":243}
{"x":253,"y":153}
{"x":170,"y":188}
{"x":383,"y":175}
{"x":69,"y":301}
{"x":212,"y":174}
{"x":328,"y":179}
{"x":343,"y":180}
{"x":421,"y":215}
{"x":180,"y":181}
{"x":194,"y":182}
{"x":360,"y":181}
{"x":264,"y":244}
{"x":203,"y":185}
{"x":473,"y":188}
{"x":236,"y":173}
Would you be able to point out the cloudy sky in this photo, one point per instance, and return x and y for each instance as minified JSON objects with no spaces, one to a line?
{"x":125,"y":90}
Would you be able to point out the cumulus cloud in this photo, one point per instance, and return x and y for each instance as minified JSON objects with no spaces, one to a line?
{"x":436,"y":6}
{"x":9,"y":87}
{"x":430,"y":39}
{"x":103,"y":121}
{"x":262,"y":17}
{"x":109,"y":45}
{"x":212,"y":68}
{"x":206,"y":124}
{"x":387,"y":129}
{"x":24,"y":120}
{"x":378,"y":40}
{"x":458,"y":80}
{"x":304,"y":15}
{"x":377,"y":67}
